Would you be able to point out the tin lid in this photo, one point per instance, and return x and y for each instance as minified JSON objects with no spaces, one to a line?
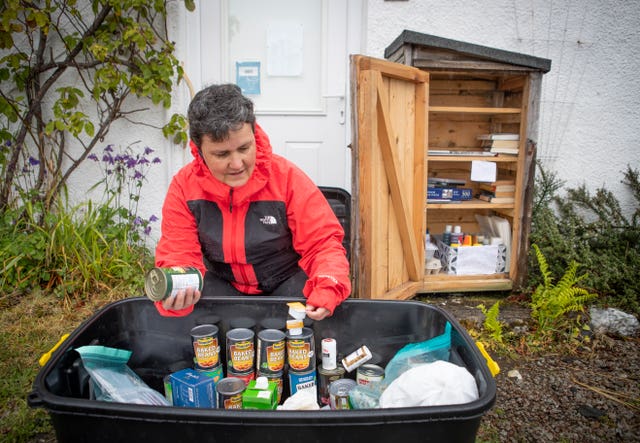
{"x":230,"y":386}
{"x":204,"y":331}
{"x":155,"y":284}
{"x":240,"y":334}
{"x":271,"y":335}
{"x":242,"y":322}
{"x":342,"y":386}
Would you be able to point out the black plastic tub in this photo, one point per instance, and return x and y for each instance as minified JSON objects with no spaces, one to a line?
{"x":161,"y":345}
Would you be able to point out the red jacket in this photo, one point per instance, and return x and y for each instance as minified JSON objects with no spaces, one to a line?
{"x":255,"y":235}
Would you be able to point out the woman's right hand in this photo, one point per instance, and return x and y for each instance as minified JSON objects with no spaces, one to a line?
{"x":183,"y":299}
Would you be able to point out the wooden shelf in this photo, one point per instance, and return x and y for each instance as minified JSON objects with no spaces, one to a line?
{"x":474,"y":110}
{"x":470,"y":204}
{"x":504,"y":158}
{"x":445,"y":283}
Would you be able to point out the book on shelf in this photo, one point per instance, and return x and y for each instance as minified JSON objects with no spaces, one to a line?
{"x":492,"y":198}
{"x":513,"y":151}
{"x":499,"y":187}
{"x":455,"y":193}
{"x":499,"y":136}
{"x":447,"y":152}
{"x":445,"y":182}
{"x":505,"y":144}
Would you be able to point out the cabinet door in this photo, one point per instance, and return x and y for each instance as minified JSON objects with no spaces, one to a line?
{"x":389,"y":177}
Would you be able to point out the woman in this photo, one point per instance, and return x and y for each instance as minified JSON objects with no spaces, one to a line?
{"x":250,"y":220}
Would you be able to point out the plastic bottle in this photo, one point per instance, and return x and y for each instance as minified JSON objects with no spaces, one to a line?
{"x":446,"y":235}
{"x":456,"y":237}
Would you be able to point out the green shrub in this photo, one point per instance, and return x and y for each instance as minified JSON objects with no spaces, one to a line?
{"x":592,"y":230}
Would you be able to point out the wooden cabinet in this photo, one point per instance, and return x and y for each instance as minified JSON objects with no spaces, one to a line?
{"x":436,"y":94}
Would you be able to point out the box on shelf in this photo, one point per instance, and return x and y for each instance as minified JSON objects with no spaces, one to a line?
{"x":471,"y":260}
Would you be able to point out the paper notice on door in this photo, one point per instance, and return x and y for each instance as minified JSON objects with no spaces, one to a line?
{"x":482,"y":171}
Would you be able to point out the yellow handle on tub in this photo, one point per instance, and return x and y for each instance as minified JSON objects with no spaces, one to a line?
{"x":491,"y":363}
{"x":47,"y":355}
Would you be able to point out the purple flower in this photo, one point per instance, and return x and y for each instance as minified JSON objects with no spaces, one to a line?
{"x":137,"y":221}
{"x":153,"y":218}
{"x":138,"y":175}
{"x":107,"y":158}
{"x":156,"y":160}
{"x":131,"y":163}
{"x":109,"y":148}
{"x":148,"y":150}
{"x":33,"y":161}
{"x":93,"y":157}
{"x":147,"y":230}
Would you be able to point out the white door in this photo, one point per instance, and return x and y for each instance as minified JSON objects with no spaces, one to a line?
{"x":291,"y":57}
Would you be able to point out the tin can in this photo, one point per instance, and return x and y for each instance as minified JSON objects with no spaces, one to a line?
{"x":229,"y":393}
{"x":205,"y":346}
{"x":278,"y":379}
{"x":325,"y":378}
{"x":216,"y":373}
{"x":339,"y":393}
{"x":368,"y":374}
{"x":301,"y":351}
{"x":240,"y":350}
{"x":168,"y":389}
{"x":161,"y":283}
{"x":246,"y":377}
{"x":271,"y":351}
{"x":299,"y":381}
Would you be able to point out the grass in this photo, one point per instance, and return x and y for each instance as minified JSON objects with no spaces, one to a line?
{"x":30,"y":327}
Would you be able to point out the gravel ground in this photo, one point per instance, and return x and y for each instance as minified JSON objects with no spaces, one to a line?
{"x":592,"y":395}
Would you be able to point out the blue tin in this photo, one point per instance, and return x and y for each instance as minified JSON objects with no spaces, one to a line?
{"x":302,"y":380}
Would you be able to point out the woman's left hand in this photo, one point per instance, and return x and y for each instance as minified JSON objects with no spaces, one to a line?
{"x":315,"y":313}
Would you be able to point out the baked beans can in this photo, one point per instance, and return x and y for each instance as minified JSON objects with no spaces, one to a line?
{"x":161,"y":283}
{"x":206,"y":347}
{"x":339,"y":393}
{"x":301,"y":351}
{"x":325,"y":378}
{"x":271,"y":350}
{"x":240,"y":350}
{"x":278,"y":379}
{"x":299,"y":381}
{"x":229,"y":393}
{"x":368,"y":374}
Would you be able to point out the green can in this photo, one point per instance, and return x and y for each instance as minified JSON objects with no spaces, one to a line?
{"x":161,"y":283}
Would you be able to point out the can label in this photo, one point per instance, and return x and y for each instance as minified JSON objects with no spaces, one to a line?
{"x":339,"y":393}
{"x":215,"y":373}
{"x":205,"y":346}
{"x":368,"y":374}
{"x":299,"y":381}
{"x":271,"y":351}
{"x":246,"y":377}
{"x":240,"y":350}
{"x":161,"y":283}
{"x":301,"y":351}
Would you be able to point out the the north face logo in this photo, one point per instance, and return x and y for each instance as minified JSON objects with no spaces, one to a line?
{"x":268,"y":220}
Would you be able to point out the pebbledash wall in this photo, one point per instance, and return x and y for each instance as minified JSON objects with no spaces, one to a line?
{"x":589,"y":127}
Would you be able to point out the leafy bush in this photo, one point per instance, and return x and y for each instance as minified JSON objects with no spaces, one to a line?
{"x":592,"y":230}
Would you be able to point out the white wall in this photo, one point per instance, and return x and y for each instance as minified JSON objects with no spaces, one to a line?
{"x":590,"y":109}
{"x":589,"y":128}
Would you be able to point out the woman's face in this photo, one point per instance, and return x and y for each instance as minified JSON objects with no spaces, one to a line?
{"x":232,"y":160}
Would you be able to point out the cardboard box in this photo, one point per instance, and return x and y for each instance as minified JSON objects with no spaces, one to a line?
{"x":193,"y":389}
{"x":255,"y":398}
{"x":471,"y":260}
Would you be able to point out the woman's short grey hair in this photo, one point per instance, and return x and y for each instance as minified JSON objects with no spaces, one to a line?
{"x":217,"y":110}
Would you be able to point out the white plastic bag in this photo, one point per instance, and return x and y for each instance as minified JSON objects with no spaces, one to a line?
{"x":431,"y":384}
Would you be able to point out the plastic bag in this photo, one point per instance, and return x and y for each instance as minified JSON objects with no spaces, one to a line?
{"x":112,"y":380}
{"x":413,"y":354}
{"x":431,"y":384}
